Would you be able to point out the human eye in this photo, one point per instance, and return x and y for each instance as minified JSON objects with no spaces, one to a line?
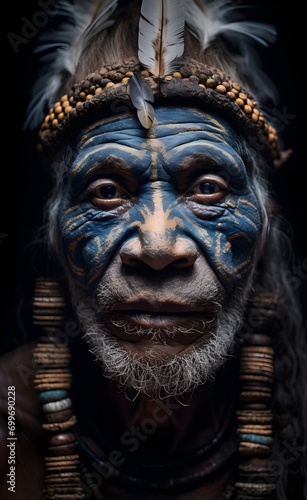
{"x":207,"y":189}
{"x":107,"y":194}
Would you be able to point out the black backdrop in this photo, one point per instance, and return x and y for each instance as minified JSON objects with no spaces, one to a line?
{"x":23,"y":181}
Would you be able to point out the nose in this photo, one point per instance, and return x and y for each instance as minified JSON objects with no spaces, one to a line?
{"x":159,"y":247}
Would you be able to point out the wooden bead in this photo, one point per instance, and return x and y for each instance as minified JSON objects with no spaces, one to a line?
{"x":239,"y":102}
{"x":221,"y":89}
{"x":210,"y":82}
{"x":68,"y":109}
{"x":60,"y":439}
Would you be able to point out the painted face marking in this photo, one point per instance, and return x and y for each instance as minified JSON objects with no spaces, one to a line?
{"x":159,"y":187}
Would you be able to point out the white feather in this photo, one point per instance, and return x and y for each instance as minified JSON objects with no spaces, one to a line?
{"x":142,"y":98}
{"x":208,"y":20}
{"x":161,"y":30}
{"x":60,"y":50}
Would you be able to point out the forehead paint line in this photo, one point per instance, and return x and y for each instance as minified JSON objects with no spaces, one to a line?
{"x":198,"y":116}
{"x":154,"y":166}
{"x":220,"y":152}
{"x":82,"y":163}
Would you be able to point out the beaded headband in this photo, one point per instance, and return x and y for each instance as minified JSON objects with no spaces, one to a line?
{"x":194,"y":83}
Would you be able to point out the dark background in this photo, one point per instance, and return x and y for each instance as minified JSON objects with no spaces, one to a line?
{"x":23,"y":182}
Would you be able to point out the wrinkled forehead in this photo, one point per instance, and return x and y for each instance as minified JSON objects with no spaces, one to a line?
{"x":174,"y":126}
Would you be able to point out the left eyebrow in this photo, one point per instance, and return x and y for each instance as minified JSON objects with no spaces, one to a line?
{"x":105,"y":157}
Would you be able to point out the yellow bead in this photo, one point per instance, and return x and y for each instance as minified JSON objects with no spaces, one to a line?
{"x":248,"y":110}
{"x":221,"y":89}
{"x":68,"y":110}
{"x":239,"y":102}
{"x":243,"y":96}
{"x":231,"y":95}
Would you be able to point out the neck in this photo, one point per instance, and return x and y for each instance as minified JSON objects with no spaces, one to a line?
{"x":140,"y":426}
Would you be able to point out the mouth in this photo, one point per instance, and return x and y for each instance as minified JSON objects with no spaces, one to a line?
{"x":171,"y":322}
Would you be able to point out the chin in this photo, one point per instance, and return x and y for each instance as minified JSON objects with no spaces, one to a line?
{"x":159,"y":369}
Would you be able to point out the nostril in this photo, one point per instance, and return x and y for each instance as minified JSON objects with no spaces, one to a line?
{"x":180,"y":263}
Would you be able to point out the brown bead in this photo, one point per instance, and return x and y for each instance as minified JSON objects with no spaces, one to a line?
{"x":221,"y":89}
{"x":176,"y":74}
{"x":259,"y":339}
{"x":248,"y":110}
{"x":60,"y":426}
{"x":243,"y":96}
{"x":62,"y":449}
{"x":226,"y":85}
{"x":236,"y":86}
{"x":89,"y":96}
{"x":103,"y":71}
{"x":98,"y":91}
{"x":63,"y":438}
{"x":109,"y":85}
{"x":231,"y":95}
{"x":210,"y":82}
{"x":65,"y":104}
{"x":68,"y":109}
{"x":59,"y":416}
{"x":239,"y":102}
{"x":74,"y":458}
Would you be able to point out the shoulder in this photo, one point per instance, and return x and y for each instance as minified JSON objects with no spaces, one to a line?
{"x":21,"y":438}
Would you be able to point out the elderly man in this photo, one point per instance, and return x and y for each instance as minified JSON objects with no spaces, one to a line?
{"x":167,"y":336}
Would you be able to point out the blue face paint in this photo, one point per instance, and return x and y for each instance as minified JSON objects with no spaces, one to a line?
{"x":188,"y":173}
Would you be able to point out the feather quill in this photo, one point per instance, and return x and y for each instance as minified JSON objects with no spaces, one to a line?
{"x":207,"y":20}
{"x":60,"y":50}
{"x":161,"y":29}
{"x":142,"y":99}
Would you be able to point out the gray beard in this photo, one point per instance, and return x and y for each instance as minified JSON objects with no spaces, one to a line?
{"x":180,"y":375}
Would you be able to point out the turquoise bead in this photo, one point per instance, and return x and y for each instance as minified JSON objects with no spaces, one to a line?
{"x":256,"y":438}
{"x":55,"y":395}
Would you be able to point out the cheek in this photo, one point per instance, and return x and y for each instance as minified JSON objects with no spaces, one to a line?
{"x":235,"y":240}
{"x":89,"y":241}
{"x":229,"y":240}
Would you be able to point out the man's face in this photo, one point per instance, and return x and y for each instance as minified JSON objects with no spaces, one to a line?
{"x":159,"y":232}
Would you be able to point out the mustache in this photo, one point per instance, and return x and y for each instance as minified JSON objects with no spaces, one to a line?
{"x":109,"y":297}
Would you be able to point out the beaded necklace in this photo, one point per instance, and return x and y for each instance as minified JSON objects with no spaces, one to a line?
{"x":66,"y":472}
